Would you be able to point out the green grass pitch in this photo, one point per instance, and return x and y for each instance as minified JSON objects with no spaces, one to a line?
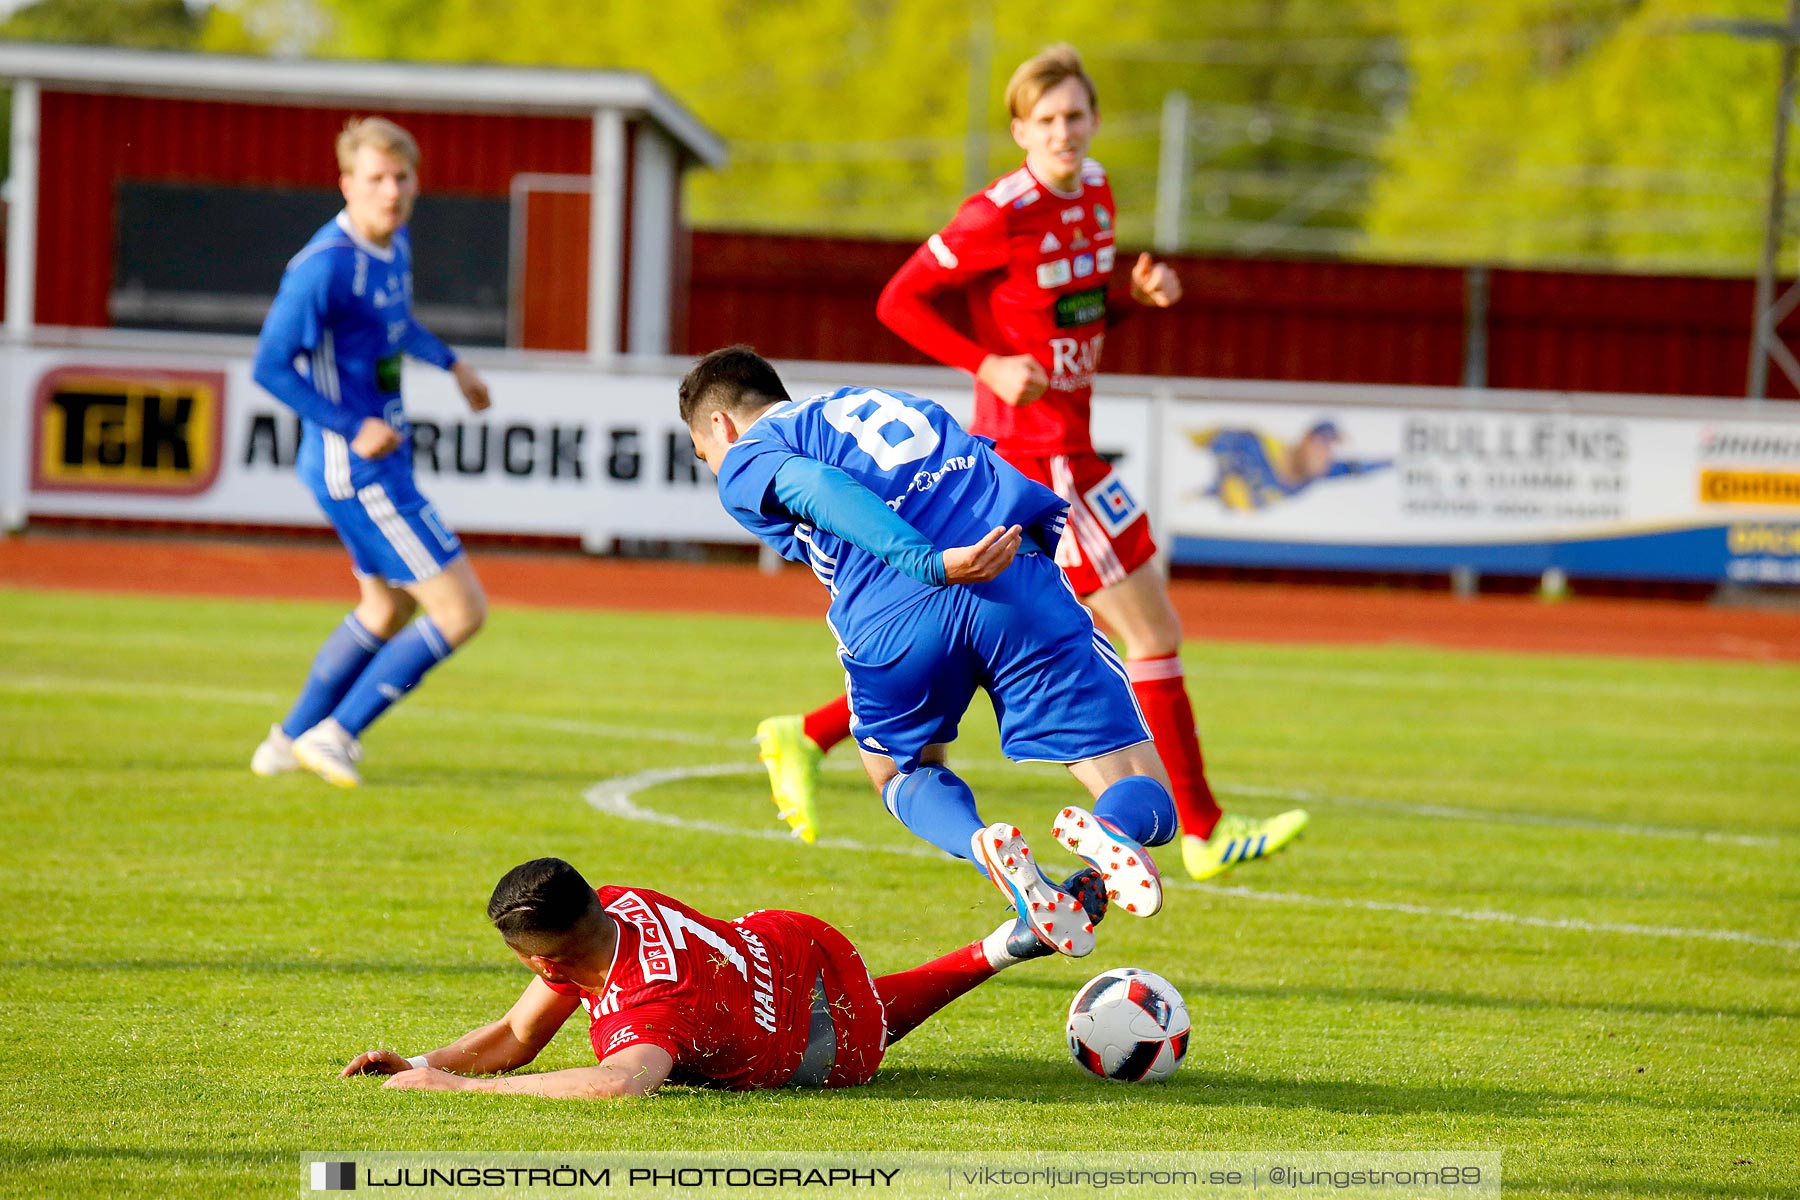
{"x":1504,"y":930}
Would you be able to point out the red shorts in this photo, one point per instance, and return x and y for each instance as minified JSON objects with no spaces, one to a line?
{"x":1108,"y":534}
{"x":857,"y":1017}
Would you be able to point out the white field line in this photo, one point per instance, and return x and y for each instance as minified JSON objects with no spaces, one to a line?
{"x":1451,"y":813}
{"x":1396,"y":679}
{"x":617,"y":798}
{"x":276,"y":704}
{"x":271,"y":701}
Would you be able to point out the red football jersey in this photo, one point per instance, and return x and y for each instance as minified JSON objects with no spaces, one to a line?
{"x":731,"y":1001}
{"x":1034,"y":264}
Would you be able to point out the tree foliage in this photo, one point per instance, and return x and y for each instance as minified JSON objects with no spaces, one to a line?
{"x":1579,"y":131}
{"x":1606,"y":132}
{"x":855,"y":115}
{"x":149,"y":24}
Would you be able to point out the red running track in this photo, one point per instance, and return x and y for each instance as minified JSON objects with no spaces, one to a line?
{"x":1210,"y":611}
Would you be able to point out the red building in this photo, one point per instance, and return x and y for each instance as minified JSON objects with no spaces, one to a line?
{"x":132,"y":169}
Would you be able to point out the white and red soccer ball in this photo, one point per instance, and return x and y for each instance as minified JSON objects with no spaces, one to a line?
{"x":1128,"y":1024}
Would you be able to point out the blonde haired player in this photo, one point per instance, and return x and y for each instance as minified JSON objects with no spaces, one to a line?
{"x":1032,"y":255}
{"x":331,"y":350}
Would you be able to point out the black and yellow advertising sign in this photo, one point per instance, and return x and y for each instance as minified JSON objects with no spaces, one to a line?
{"x":1744,"y":486}
{"x":121,"y":429}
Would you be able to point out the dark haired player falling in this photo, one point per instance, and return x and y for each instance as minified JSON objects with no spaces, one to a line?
{"x":772,"y":999}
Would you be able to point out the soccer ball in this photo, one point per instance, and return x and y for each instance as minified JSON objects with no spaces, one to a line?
{"x":1128,"y":1024}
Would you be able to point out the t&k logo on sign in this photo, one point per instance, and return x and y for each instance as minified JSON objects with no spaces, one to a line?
{"x":124,"y":429}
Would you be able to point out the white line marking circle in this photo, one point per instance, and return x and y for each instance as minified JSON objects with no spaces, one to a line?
{"x":616,"y":797}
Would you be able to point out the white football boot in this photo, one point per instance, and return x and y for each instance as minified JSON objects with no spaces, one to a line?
{"x":1132,"y":880}
{"x":1053,"y":914}
{"x":275,"y":756}
{"x":328,"y":751}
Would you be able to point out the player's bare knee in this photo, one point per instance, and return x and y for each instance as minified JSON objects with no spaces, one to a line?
{"x":461,"y":622}
{"x":386,"y":616}
{"x":1153,"y":642}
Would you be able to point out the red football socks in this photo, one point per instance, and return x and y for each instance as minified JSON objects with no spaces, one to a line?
{"x":912,"y":996}
{"x":828,"y":725}
{"x":1162,"y":695}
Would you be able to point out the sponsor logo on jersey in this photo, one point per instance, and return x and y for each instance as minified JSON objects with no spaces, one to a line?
{"x":1084,"y":265}
{"x":945,"y":256}
{"x":656,"y":953}
{"x":1073,"y":362}
{"x":1073,"y":214}
{"x":1017,"y":186}
{"x":1103,"y":259}
{"x":1053,"y":274}
{"x":1049,"y":245}
{"x":1113,"y":504}
{"x":1080,"y":308}
{"x":762,"y":983}
{"x":1080,"y":242}
{"x":1102,"y":218}
{"x":387,"y":373}
{"x":118,"y":429}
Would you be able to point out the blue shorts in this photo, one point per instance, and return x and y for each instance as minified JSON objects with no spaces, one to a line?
{"x":1059,"y":690}
{"x":391,"y":531}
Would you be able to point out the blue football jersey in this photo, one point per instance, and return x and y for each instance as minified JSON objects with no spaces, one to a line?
{"x":331,"y":349}
{"x":945,"y":482}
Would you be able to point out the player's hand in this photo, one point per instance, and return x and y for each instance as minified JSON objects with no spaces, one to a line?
{"x":376,"y":1062}
{"x":1154,"y":283}
{"x":426,"y":1079}
{"x":474,"y":387}
{"x":1017,"y":379}
{"x":985,"y":559}
{"x":376,"y":439}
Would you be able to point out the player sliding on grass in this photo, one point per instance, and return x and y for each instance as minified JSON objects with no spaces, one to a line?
{"x":345,"y":311}
{"x":1031,"y":255}
{"x":772,"y":999}
{"x":935,"y":552}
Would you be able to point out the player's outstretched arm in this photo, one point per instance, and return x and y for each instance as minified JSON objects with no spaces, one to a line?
{"x":302,"y":309}
{"x":505,"y":1045}
{"x":424,"y":345}
{"x":1154,"y":284}
{"x":1017,"y":379}
{"x":473,"y":387}
{"x":635,"y":1071}
{"x":985,"y":559}
{"x":906,"y":304}
{"x":830,"y":499}
{"x":375,"y":439}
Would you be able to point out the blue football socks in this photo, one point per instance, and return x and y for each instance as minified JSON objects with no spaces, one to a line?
{"x":339,"y":662}
{"x":1140,"y":808}
{"x":394,"y":672}
{"x":936,"y":805}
